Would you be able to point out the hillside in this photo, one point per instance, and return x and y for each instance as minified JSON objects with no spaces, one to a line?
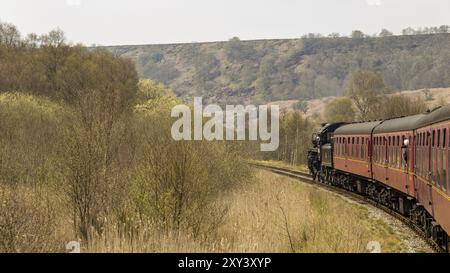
{"x":307,"y":68}
{"x":316,"y":107}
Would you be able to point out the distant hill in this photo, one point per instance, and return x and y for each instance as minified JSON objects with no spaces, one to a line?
{"x":308,"y":68}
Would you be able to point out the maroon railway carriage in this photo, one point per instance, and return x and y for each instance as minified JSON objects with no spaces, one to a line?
{"x":432,"y":181}
{"x":352,"y":152}
{"x":393,"y":153}
{"x":402,"y":163}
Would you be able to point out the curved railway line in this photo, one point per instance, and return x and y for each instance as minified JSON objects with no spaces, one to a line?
{"x":306,"y":178}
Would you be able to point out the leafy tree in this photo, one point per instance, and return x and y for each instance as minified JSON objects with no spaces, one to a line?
{"x":148,"y":90}
{"x":301,"y":106}
{"x":340,"y":110}
{"x":357,"y":34}
{"x":334,"y":35}
{"x":400,"y":105}
{"x":9,"y":35}
{"x":408,"y":31}
{"x":239,"y":51}
{"x":206,"y":67}
{"x":365,"y":89}
{"x":385,"y":33}
{"x":444,"y":29}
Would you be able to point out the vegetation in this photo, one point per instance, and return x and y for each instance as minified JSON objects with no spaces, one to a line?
{"x":311,"y":67}
{"x":340,"y":110}
{"x":275,"y":214}
{"x":365,"y":89}
{"x":295,"y":138}
{"x":84,"y":152}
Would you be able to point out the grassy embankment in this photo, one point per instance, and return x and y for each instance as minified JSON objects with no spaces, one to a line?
{"x":278,"y":214}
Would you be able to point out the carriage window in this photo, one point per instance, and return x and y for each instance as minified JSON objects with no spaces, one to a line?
{"x":388,"y":144}
{"x":433,"y":159}
{"x":361,"y":148}
{"x":380,"y":149}
{"x":441,"y":178}
{"x":348,"y":147}
{"x":377,"y":150}
{"x":353,"y":147}
{"x":344,"y":151}
{"x":408,"y":160}
{"x":445,"y":161}
{"x":432,"y":138}
{"x":397,"y":161}
{"x":419,"y":144}
{"x":395,"y":152}
{"x":444,"y":137}
{"x":357,"y":147}
{"x":338,"y":146}
{"x":438,"y":137}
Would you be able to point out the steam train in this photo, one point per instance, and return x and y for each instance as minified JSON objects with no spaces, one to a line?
{"x":401,"y":163}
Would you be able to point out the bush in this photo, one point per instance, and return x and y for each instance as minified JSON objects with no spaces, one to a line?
{"x":29,"y":137}
{"x":177,"y":183}
{"x":27,"y":223}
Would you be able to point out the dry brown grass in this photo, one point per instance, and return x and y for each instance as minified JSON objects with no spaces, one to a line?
{"x":32,"y":221}
{"x":281,"y":164}
{"x":274,"y":214}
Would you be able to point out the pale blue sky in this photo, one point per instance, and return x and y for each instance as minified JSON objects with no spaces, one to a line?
{"x":115,"y":22}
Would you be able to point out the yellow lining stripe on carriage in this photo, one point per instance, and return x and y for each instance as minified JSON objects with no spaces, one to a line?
{"x":420,"y":178}
{"x":391,"y":168}
{"x":439,"y":191}
{"x":349,"y":159}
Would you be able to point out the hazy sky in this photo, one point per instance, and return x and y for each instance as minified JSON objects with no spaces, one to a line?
{"x":115,"y":22}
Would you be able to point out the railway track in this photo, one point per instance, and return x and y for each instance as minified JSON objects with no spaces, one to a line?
{"x":306,"y":178}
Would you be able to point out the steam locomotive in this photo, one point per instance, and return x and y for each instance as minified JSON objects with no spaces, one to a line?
{"x":401,"y":163}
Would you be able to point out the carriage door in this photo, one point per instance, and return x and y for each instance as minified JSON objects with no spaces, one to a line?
{"x":386,"y":154}
{"x":431,"y":141}
{"x":346,"y":148}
